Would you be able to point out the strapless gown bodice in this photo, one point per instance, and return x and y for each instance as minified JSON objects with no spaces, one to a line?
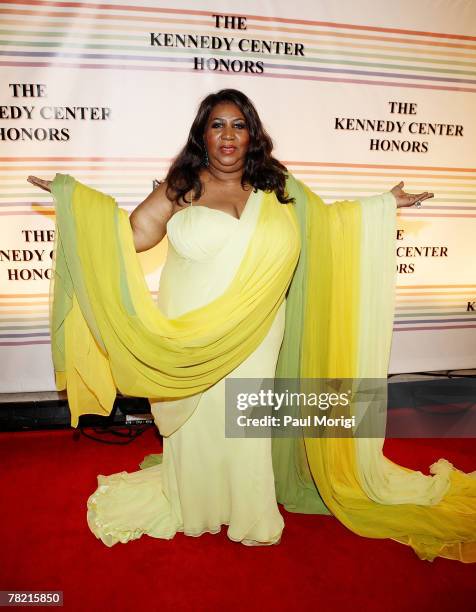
{"x":205,"y":249}
{"x":199,"y":233}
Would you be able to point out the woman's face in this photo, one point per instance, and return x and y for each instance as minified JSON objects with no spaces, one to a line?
{"x":226,"y":137}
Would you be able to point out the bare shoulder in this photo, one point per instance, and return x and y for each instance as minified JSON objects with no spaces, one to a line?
{"x":156,"y":206}
{"x":149,"y":219}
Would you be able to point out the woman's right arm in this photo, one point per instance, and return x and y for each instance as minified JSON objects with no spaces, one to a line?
{"x":148,"y":221}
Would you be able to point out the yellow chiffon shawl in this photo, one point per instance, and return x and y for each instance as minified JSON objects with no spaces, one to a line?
{"x":336,"y":266}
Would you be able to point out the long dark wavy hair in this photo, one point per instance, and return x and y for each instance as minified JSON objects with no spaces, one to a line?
{"x":261,"y":170}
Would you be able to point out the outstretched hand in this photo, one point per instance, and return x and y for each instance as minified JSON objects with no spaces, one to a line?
{"x":408,"y":199}
{"x":43,"y":184}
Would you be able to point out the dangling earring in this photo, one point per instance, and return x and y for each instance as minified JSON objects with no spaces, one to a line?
{"x":205,"y":158}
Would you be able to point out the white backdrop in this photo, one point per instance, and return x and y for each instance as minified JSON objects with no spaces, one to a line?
{"x":358,"y":57}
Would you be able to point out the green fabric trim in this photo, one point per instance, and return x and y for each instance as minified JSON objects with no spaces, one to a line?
{"x":68,"y":279}
{"x":295,"y":487}
{"x":151,"y":460}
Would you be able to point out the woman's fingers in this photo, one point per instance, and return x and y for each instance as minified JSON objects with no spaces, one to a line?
{"x":409,"y":199}
{"x":420,"y":196}
{"x":42,"y":183}
{"x":428,"y":195}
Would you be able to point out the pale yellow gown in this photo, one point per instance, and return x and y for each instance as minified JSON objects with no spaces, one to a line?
{"x":206,"y":480}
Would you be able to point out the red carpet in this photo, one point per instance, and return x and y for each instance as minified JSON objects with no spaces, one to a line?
{"x":46,"y":544}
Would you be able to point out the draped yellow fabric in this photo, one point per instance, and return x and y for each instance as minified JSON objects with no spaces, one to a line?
{"x":114,"y":334}
{"x":332,"y":344}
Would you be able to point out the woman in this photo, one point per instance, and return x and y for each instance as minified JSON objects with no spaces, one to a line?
{"x":246,"y":282}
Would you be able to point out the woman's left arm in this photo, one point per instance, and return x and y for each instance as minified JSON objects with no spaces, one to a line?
{"x":408,"y":199}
